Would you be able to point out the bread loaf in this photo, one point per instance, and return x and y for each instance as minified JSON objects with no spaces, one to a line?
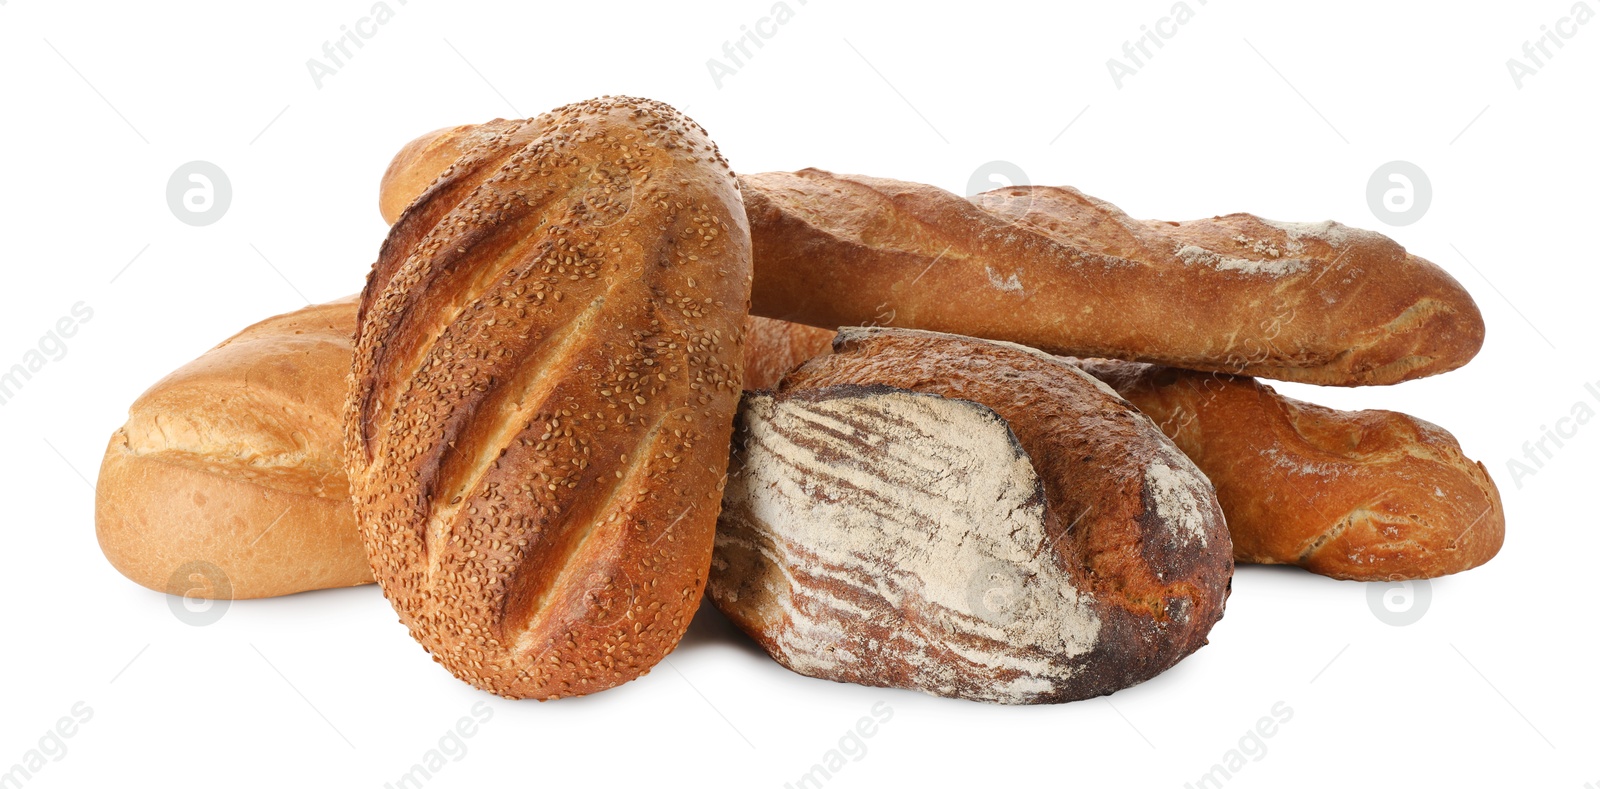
{"x":1052,"y":268}
{"x":546,"y":370}
{"x":1356,"y":495}
{"x":965,"y":518}
{"x":1359,"y":495}
{"x":773,"y":348}
{"x":230,"y":468}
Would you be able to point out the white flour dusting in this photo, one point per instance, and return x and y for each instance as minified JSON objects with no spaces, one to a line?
{"x":1009,"y":284}
{"x":1329,"y":232}
{"x":924,"y":507}
{"x":1195,"y":255}
{"x":1177,"y":502}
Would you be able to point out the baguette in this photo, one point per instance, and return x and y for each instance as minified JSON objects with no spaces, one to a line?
{"x":1052,"y":268}
{"x":230,"y":468}
{"x":547,"y":364}
{"x":968,"y":519}
{"x":1355,"y":495}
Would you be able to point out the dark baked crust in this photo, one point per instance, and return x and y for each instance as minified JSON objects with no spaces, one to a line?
{"x":547,"y":365}
{"x":1155,"y":592}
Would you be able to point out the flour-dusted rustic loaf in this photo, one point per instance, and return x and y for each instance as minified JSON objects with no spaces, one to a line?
{"x":965,"y":518}
{"x":1360,"y":495}
{"x":546,"y":370}
{"x":1357,"y":495}
{"x":228,"y":480}
{"x":1055,"y":269}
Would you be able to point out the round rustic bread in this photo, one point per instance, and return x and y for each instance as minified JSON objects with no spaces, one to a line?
{"x":966,"y":518}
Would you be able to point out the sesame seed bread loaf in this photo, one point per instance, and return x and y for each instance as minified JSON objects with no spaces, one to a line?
{"x":547,"y":364}
{"x":965,"y":518}
{"x":1055,"y":269}
{"x":227,"y":481}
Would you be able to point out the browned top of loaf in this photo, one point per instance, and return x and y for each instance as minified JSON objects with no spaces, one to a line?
{"x":546,"y":370}
{"x":1158,"y":593}
{"x":1364,"y":495}
{"x":243,"y":409}
{"x":1055,"y":269}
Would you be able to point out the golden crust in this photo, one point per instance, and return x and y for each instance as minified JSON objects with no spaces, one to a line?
{"x":547,"y":364}
{"x":1052,"y":268}
{"x":233,"y":460}
{"x":1357,"y":495}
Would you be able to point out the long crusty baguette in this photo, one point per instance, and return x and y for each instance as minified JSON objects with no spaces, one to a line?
{"x":227,"y":480}
{"x":1052,"y":268}
{"x":547,"y":364}
{"x":1358,"y":495}
{"x":965,"y":518}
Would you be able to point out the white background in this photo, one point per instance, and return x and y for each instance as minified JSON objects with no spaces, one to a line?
{"x":1251,"y":106}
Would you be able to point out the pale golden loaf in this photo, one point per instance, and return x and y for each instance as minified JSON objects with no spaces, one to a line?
{"x":230,"y":468}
